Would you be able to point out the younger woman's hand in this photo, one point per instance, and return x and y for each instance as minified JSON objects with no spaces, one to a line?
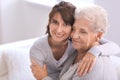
{"x":39,"y":72}
{"x":86,"y":64}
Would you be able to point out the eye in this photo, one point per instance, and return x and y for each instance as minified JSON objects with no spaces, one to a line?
{"x":66,"y":25}
{"x":54,"y":21}
{"x":83,"y":32}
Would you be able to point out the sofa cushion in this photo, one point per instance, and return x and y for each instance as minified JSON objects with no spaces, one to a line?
{"x":18,"y":64}
{"x":3,"y":67}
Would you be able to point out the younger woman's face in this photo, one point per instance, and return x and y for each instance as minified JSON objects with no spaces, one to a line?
{"x":59,"y":30}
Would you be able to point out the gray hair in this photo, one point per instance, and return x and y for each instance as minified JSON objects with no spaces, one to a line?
{"x":96,"y":15}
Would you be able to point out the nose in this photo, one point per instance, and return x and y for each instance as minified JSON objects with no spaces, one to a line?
{"x":60,"y":28}
{"x":75,"y":35}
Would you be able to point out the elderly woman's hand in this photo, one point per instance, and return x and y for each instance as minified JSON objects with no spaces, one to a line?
{"x":86,"y":64}
{"x":39,"y":72}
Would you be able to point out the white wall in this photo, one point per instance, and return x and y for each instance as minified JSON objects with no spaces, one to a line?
{"x":36,"y":18}
{"x":12,"y":20}
{"x":22,"y":20}
{"x":0,"y":25}
{"x":112,"y":7}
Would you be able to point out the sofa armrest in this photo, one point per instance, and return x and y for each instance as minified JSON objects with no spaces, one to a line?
{"x":18,"y":64}
{"x":14,"y":60}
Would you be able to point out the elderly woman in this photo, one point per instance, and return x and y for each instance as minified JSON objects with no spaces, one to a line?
{"x":89,"y":27}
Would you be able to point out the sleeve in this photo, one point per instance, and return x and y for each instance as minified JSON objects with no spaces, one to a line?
{"x":106,"y":48}
{"x":37,"y":55}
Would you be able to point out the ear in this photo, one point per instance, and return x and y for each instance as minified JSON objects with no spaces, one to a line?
{"x":99,"y":36}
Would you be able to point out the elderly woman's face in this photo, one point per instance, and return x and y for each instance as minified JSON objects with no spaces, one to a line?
{"x":83,"y":36}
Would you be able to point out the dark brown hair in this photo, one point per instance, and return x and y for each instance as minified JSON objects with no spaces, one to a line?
{"x":66,"y":10}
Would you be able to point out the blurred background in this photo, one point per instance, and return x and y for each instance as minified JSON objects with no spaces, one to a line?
{"x":26,"y":19}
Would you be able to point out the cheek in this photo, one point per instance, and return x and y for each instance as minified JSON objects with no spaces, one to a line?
{"x":93,"y":38}
{"x":85,"y":40}
{"x":51,"y":27}
{"x":71,"y":35}
{"x":68,"y":31}
{"x":90,"y":41}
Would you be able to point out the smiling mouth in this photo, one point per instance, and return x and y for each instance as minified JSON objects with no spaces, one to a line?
{"x":76,"y":42}
{"x":59,"y":35}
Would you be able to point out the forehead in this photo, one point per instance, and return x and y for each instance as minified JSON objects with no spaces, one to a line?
{"x":57,"y":15}
{"x":82,"y":23}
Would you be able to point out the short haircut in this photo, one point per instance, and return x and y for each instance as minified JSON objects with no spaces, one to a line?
{"x":97,"y":15}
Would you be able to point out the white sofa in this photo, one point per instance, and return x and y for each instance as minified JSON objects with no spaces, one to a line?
{"x":15,"y":61}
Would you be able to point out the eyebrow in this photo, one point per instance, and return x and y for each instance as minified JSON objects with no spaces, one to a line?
{"x":82,"y":29}
{"x":53,"y":19}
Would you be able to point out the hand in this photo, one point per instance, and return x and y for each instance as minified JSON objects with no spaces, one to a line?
{"x":39,"y":72}
{"x":86,"y":64}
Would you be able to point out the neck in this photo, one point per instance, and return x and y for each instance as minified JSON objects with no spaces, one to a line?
{"x":81,"y":54}
{"x":82,"y":51}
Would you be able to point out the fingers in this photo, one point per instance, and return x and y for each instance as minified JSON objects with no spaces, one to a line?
{"x":83,"y":67}
{"x":34,"y":62}
{"x":45,"y":67}
{"x":91,"y":65}
{"x":34,"y":66}
{"x":86,"y":68}
{"x":39,"y":72}
{"x":86,"y":64}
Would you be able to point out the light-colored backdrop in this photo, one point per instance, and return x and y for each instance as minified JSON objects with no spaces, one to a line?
{"x":21,"y":20}
{"x":112,"y":7}
{"x":0,"y":24}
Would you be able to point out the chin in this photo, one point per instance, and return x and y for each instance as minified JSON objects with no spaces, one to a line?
{"x":59,"y":40}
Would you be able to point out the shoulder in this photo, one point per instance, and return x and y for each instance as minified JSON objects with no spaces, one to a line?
{"x":42,"y":39}
{"x":40,"y":45}
{"x":41,"y":42}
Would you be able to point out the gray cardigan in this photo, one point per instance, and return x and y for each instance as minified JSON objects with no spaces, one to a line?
{"x":102,"y":70}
